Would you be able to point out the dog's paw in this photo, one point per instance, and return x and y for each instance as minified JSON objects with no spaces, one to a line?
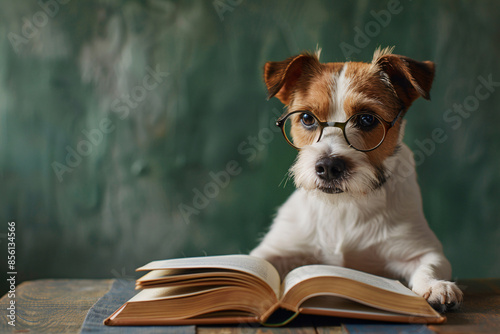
{"x":441,"y":295}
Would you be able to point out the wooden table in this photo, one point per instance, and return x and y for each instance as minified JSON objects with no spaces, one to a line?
{"x":60,"y":306}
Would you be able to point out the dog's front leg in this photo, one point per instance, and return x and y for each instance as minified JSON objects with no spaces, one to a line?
{"x":430,"y":279}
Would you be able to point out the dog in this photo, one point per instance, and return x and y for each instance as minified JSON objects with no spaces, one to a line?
{"x":357,"y":202}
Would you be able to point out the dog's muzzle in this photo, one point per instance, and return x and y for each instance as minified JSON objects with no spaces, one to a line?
{"x":331,"y":171}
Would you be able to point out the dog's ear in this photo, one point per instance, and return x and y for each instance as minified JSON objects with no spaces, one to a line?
{"x":282,"y":77}
{"x":409,"y":78}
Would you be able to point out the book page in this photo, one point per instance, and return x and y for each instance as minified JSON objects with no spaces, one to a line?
{"x":339,"y":304}
{"x":165,"y":293}
{"x":244,"y":263}
{"x":310,"y":271}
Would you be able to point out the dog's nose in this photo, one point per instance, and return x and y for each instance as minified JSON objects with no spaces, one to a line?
{"x":330,"y":168}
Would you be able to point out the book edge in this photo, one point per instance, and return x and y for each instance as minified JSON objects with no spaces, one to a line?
{"x":403,"y":318}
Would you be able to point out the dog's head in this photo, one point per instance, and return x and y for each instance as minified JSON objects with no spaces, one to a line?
{"x":346,"y":118}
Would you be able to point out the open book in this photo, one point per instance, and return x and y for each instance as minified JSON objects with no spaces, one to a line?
{"x":242,"y":288}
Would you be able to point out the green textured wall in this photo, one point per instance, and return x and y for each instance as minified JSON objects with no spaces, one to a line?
{"x":158,"y":98}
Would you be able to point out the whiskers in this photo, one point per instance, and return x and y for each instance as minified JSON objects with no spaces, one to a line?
{"x":287,"y":177}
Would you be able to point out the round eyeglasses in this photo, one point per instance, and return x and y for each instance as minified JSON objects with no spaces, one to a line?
{"x":363,"y":131}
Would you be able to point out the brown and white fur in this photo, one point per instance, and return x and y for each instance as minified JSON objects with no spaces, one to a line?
{"x":365,"y":218}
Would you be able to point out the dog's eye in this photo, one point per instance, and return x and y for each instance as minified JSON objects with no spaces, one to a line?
{"x":307,"y":120}
{"x":366,"y":121}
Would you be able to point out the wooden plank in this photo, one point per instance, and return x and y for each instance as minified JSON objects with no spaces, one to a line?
{"x":55,"y":306}
{"x":255,"y":330}
{"x":329,"y":329}
{"x":386,"y":328}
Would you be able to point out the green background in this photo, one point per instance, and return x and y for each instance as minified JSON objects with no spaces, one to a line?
{"x":66,"y":68}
